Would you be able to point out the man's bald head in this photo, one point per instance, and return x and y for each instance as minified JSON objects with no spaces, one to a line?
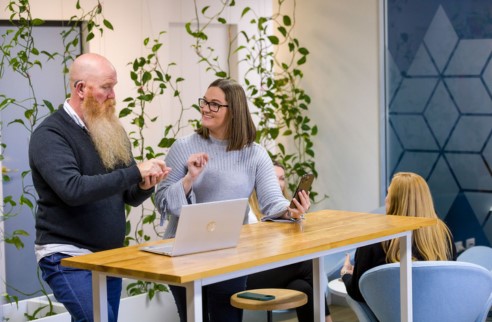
{"x":89,"y":66}
{"x":91,"y":74}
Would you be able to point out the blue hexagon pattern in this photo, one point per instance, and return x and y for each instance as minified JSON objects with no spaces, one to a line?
{"x":440,"y":112}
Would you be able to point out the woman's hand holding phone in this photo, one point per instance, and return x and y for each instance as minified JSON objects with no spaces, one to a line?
{"x":301,"y":207}
{"x":304,"y":184}
{"x":300,"y":202}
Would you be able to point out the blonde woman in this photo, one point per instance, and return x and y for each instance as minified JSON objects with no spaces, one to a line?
{"x":408,"y":195}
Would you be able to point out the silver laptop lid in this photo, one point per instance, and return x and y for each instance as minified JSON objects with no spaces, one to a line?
{"x":209,"y":226}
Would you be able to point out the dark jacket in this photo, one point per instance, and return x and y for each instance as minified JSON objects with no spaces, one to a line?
{"x":80,"y":203}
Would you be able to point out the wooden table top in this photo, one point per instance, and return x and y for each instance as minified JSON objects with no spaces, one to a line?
{"x":259,"y":244}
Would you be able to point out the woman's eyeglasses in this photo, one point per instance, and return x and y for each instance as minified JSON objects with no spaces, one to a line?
{"x":213,"y":106}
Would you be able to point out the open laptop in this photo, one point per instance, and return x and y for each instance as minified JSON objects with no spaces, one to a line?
{"x":204,"y":227}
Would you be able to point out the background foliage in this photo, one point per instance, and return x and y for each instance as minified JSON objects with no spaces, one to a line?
{"x":272,"y":82}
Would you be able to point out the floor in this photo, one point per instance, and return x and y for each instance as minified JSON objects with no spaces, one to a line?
{"x":339,"y":313}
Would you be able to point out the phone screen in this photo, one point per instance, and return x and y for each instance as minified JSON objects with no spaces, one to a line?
{"x":304,"y":184}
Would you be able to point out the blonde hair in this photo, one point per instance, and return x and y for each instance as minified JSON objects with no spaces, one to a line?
{"x":253,"y":199}
{"x":241,"y":130}
{"x":409,"y":195}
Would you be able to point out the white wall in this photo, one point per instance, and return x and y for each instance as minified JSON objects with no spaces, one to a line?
{"x":342,"y":78}
{"x":133,"y":21}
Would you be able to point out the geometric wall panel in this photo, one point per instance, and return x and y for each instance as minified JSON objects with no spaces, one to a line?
{"x":440,"y":39}
{"x":443,"y":186}
{"x":413,"y":132}
{"x":422,"y":64}
{"x":418,"y":162}
{"x":406,"y":101}
{"x":439,"y":116}
{"x":469,"y":57}
{"x":470,"y":134}
{"x":481,"y":204}
{"x":486,"y":76}
{"x":460,"y":209}
{"x":470,"y":171}
{"x":470,"y":94}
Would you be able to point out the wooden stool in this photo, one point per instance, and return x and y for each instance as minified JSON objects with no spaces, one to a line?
{"x":284,"y":299}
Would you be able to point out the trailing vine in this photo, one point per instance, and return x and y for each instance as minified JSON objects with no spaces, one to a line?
{"x":280,"y":105}
{"x":20,"y":54}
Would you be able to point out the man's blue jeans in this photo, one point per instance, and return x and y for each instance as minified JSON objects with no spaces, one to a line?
{"x":73,"y":288}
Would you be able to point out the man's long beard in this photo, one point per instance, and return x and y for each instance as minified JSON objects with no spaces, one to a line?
{"x":107,"y":132}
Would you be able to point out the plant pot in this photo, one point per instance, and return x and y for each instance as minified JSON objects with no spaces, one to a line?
{"x":132,"y":308}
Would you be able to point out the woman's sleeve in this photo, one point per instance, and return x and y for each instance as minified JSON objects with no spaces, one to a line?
{"x":365,"y":258}
{"x":272,"y":203}
{"x":170,"y":194}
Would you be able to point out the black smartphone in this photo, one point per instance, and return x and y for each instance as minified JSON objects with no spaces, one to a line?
{"x":256,"y":296}
{"x":304,"y":184}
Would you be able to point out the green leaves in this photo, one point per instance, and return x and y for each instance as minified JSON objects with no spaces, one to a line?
{"x":221,"y":74}
{"x":14,"y":238}
{"x":273,"y":86}
{"x":273,"y":39}
{"x":142,"y":287}
{"x":37,"y":22}
{"x":108,"y":24}
{"x":245,"y":11}
{"x":280,"y":104}
{"x":166,"y":142}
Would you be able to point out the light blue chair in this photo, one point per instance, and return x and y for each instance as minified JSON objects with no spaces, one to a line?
{"x":480,"y":255}
{"x":442,"y":291}
{"x":333,"y":264}
{"x":361,"y":310}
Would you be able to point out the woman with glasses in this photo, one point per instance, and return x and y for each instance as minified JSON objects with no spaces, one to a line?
{"x":221,"y":161}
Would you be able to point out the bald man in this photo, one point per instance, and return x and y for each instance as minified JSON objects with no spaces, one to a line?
{"x":84,"y":174}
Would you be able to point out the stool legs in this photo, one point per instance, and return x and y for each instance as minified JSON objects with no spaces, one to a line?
{"x":269,"y":316}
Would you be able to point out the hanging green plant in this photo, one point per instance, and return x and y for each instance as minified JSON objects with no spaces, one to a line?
{"x":272,"y":82}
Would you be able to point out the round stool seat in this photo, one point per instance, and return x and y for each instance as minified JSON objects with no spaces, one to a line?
{"x":284,"y":299}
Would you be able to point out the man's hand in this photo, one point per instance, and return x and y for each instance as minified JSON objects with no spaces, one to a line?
{"x":152,"y":171}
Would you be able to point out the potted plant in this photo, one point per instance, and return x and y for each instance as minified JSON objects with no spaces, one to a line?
{"x":273,"y":85}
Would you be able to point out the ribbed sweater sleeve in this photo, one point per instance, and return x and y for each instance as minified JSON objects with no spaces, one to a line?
{"x":227,"y":175}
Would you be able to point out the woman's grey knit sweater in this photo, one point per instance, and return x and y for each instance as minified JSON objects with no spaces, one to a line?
{"x":227,"y":175}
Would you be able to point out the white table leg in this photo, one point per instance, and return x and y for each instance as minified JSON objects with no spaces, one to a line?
{"x":194,"y":301}
{"x":99,"y":297}
{"x":319,"y":288}
{"x":406,"y":278}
